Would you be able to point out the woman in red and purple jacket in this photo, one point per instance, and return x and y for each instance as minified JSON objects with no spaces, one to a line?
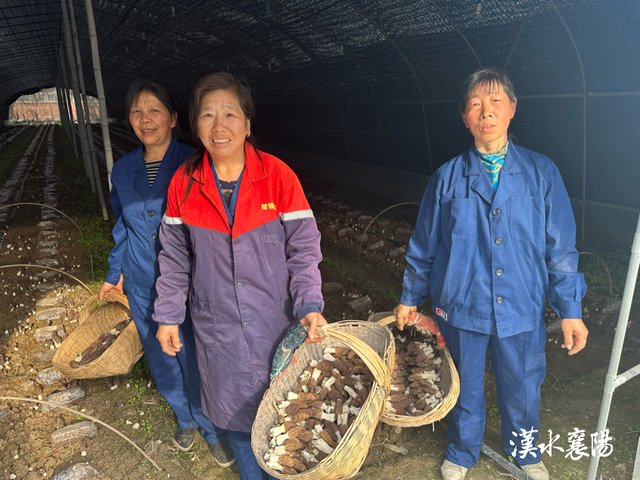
{"x":241,"y":245}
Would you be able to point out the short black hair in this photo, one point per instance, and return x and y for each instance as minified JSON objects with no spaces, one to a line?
{"x":487,"y":77}
{"x":141,"y":85}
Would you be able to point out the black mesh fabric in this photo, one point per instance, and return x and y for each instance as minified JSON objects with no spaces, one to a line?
{"x":371,"y":82}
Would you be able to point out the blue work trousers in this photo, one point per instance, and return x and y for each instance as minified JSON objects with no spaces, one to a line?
{"x":177,"y":378}
{"x":519,"y":365}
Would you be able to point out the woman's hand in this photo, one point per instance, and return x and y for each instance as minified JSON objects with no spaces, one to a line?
{"x":108,"y":287}
{"x":169,"y":338}
{"x":402,"y":314}
{"x":313,"y":320}
{"x":575,"y":335}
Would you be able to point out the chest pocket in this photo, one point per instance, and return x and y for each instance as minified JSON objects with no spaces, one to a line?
{"x":273,"y":252}
{"x":527,"y":220}
{"x":459,"y":220}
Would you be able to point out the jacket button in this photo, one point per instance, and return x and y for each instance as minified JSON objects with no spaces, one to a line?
{"x":239,"y":285}
{"x":499,"y":241}
{"x":150,"y":213}
{"x":228,"y":239}
{"x":496,"y":212}
{"x":499,"y":300}
{"x":499,"y":272}
{"x":154,"y":235}
{"x":245,"y":324}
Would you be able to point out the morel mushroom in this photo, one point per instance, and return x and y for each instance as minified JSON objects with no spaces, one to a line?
{"x":316,"y":415}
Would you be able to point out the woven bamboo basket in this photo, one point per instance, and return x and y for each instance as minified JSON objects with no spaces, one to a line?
{"x":374,"y":344}
{"x":449,"y":383}
{"x":94,"y":320}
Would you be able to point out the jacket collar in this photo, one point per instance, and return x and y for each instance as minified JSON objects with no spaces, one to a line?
{"x":510,"y":181}
{"x":254,"y":171}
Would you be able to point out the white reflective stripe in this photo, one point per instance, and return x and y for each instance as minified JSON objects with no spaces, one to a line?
{"x":296,"y":215}
{"x":172,"y":220}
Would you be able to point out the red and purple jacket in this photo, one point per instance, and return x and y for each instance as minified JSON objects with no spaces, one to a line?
{"x":244,"y":284}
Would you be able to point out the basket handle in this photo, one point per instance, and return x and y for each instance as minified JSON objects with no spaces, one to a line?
{"x":387,"y":320}
{"x":366,"y":353}
{"x":110,"y":296}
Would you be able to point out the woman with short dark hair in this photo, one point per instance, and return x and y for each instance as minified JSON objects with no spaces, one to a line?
{"x":494,"y":238}
{"x":138,"y":198}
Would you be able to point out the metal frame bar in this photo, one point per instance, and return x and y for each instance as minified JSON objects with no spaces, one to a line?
{"x":584,"y":112}
{"x":433,"y":4}
{"x":64,"y":118}
{"x":366,"y":77}
{"x":88,"y":127}
{"x":86,"y":154}
{"x":413,"y":73}
{"x":312,"y":58}
{"x":612,"y":379}
{"x":225,"y":60}
{"x":97,"y":74}
{"x":517,"y":39}
{"x":67,"y":94}
{"x":602,"y":204}
{"x":309,"y":104}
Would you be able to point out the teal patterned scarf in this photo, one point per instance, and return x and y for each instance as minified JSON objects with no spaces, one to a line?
{"x":493,"y":163}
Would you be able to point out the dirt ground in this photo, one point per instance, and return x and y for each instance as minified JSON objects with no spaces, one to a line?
{"x":130,"y":403}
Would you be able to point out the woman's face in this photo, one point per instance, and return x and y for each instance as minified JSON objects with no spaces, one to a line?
{"x":487,"y":116}
{"x":222,"y":125}
{"x":151,"y":121}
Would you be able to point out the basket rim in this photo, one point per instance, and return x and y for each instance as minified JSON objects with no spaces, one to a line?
{"x":109,"y":296}
{"x":375,"y":390}
{"x":442,"y":409}
{"x":99,"y":367}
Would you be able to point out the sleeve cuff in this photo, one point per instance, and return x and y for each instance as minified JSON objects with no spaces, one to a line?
{"x":113,"y":277}
{"x":571,"y":310}
{"x":307,"y":308}
{"x":410,"y":300}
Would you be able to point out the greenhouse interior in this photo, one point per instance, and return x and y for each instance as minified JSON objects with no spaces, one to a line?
{"x":361,"y":99}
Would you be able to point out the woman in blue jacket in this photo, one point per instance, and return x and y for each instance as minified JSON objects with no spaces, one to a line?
{"x":138,"y":198}
{"x":495,"y":237}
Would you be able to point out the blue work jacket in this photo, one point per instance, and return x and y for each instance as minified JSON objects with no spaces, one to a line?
{"x":490,"y":259}
{"x":138,"y":210}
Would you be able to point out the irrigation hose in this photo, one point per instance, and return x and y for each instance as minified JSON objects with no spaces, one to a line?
{"x":48,"y":268}
{"x":374,"y":219}
{"x":42,"y":205}
{"x":93,"y":419}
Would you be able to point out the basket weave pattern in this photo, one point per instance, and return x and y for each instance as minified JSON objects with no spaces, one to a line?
{"x":374,"y":344}
{"x":119,"y":358}
{"x":449,"y":384}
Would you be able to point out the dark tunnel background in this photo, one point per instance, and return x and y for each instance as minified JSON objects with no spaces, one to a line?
{"x":364,"y":93}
